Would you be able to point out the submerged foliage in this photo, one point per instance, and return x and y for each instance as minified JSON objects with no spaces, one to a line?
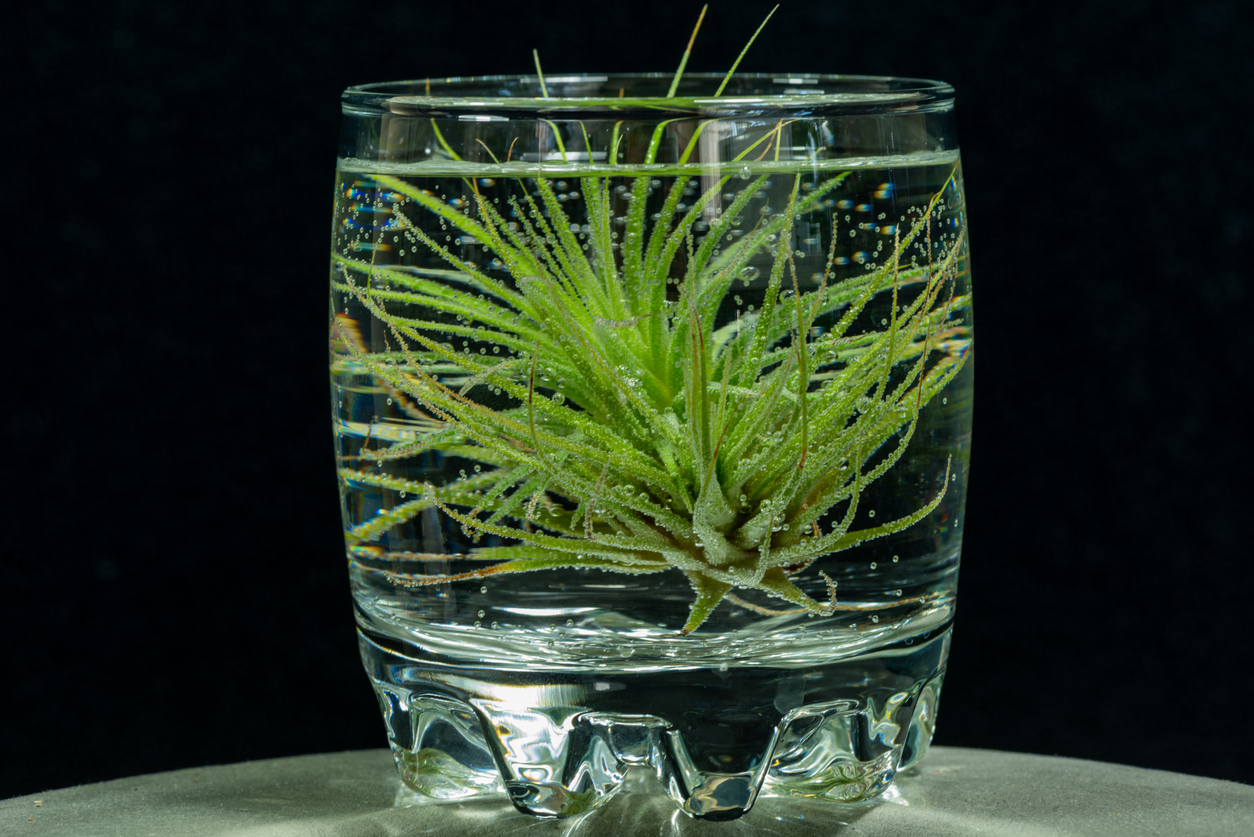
{"x":638,"y":434}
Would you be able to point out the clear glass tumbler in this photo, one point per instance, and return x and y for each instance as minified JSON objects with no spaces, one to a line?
{"x":652,"y":417}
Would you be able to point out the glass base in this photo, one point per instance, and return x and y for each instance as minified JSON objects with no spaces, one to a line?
{"x":562,"y":742}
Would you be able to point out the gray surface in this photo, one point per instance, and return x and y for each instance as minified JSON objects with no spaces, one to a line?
{"x":357,"y":794}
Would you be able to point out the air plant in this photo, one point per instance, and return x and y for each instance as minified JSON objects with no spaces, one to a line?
{"x":640,"y":433}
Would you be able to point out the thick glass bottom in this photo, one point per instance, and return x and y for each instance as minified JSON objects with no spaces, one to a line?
{"x":561,"y":742}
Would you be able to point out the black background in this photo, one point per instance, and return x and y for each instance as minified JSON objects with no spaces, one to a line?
{"x":174,"y":587}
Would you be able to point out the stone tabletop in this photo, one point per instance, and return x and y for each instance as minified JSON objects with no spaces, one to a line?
{"x":953,"y":791}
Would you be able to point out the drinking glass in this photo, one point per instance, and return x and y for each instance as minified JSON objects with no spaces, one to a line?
{"x":652,"y":418}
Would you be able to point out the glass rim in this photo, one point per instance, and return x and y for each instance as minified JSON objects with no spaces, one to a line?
{"x":856,"y":93}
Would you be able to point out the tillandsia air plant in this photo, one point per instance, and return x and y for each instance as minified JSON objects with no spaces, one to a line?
{"x":616,"y":416}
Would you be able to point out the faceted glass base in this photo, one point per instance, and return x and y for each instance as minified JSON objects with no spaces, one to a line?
{"x":560,"y":743}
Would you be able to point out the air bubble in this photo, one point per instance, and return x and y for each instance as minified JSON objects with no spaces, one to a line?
{"x":570,"y":623}
{"x":873,"y":565}
{"x":896,"y":559}
{"x":744,"y":173}
{"x":749,"y":273}
{"x":482,"y":614}
{"x":875,"y":619}
{"x":483,"y":589}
